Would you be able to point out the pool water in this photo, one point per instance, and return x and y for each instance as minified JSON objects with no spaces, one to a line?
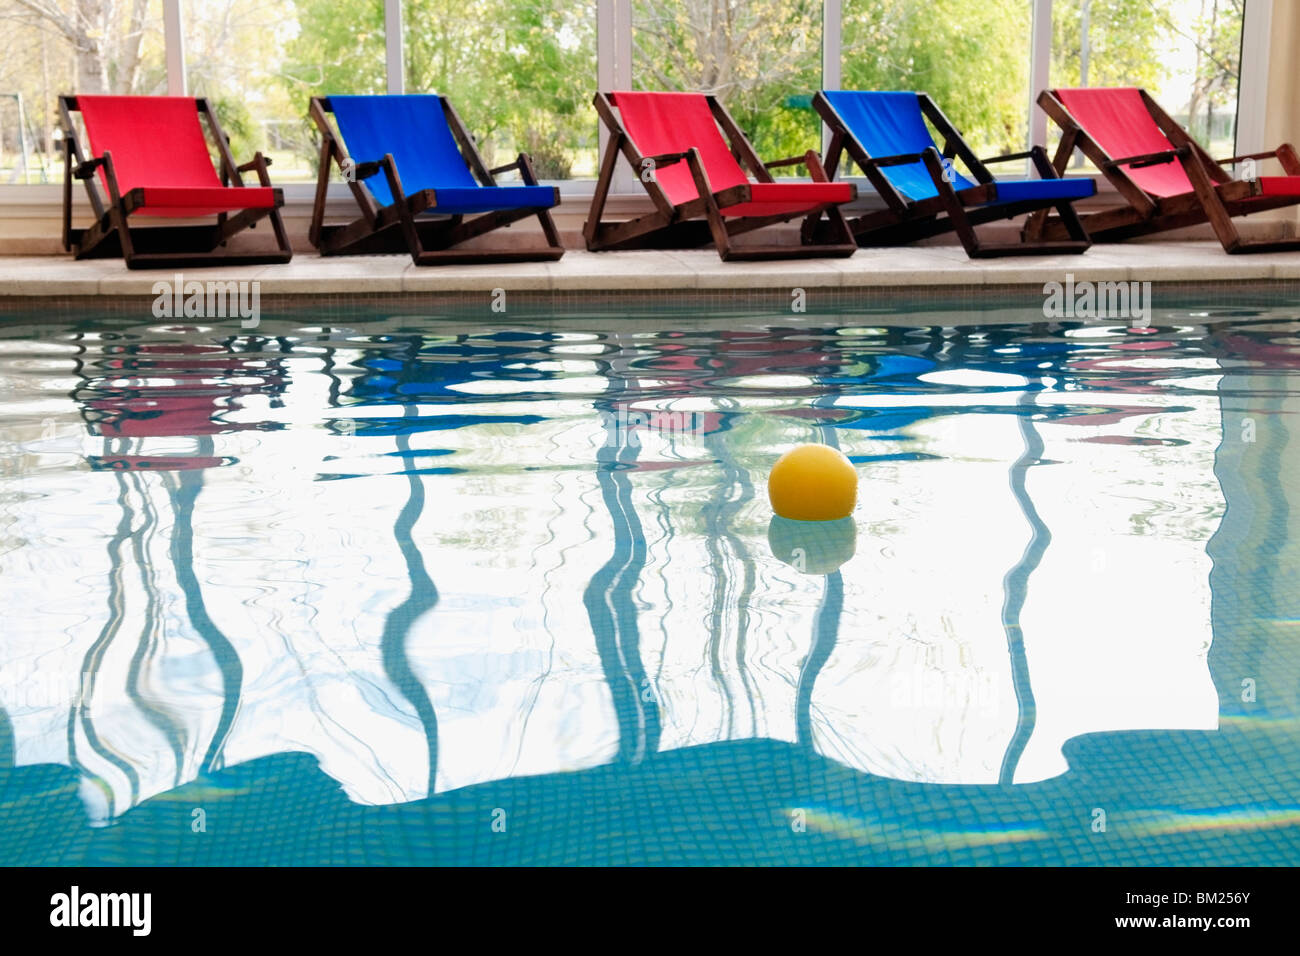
{"x":395,"y":589}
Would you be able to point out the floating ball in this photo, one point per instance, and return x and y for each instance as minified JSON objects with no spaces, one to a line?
{"x":812,"y":547}
{"x":813,"y":483}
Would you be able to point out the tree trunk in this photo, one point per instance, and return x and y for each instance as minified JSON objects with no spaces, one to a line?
{"x":88,"y":50}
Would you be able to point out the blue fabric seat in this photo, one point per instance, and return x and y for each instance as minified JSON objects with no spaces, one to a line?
{"x":1019,"y":190}
{"x":413,"y":128}
{"x":891,"y":124}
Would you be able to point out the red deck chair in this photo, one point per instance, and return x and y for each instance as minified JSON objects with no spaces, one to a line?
{"x":698,"y":183}
{"x":1166,"y":179}
{"x":152,"y":158}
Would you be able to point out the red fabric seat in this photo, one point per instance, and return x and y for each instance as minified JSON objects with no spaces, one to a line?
{"x":1121,"y":124}
{"x":1280,"y":185}
{"x":661,"y":123}
{"x":157,"y":142}
{"x":204,"y":201}
{"x":771,"y":199}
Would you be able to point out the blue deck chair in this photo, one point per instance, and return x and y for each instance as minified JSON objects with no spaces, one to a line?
{"x":886,"y":135}
{"x":431,"y":170}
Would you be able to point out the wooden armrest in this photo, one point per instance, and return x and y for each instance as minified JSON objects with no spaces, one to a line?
{"x":1008,"y":157}
{"x":1237,"y":159}
{"x":517,"y":164}
{"x":1148,"y":159}
{"x":666,"y":159}
{"x":367,"y":169}
{"x":816,"y":171}
{"x":253,"y":163}
{"x":902,"y":159}
{"x":87,"y":169}
{"x":788,"y":161}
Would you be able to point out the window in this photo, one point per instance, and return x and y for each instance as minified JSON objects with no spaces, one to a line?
{"x":521,"y":74}
{"x":971,"y":56}
{"x":1185,"y":53}
{"x":762,"y":59}
{"x":259,"y":63}
{"x":60,"y":46}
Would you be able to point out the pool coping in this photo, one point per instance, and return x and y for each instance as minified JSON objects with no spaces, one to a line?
{"x":905,"y":270}
{"x":917,"y":287}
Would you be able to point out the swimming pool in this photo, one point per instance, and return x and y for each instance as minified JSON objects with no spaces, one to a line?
{"x":394,"y":588}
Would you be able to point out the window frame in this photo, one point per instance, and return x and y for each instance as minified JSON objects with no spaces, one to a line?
{"x":614,"y":70}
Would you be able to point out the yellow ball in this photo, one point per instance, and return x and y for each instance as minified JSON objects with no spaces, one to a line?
{"x":813,"y":483}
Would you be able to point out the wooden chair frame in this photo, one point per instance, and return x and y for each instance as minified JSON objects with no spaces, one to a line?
{"x":906,"y":220}
{"x":1216,"y":197}
{"x":680,"y":226}
{"x":396,"y":227}
{"x":161,"y":247}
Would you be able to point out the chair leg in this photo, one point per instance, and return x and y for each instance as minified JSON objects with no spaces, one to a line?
{"x":951,"y":204}
{"x":808,"y":229}
{"x":281,"y":236}
{"x":839,"y":227}
{"x":717,"y":227}
{"x":404,"y":214}
{"x":67,"y":194}
{"x":123,"y":233}
{"x":1073,"y":225}
{"x":277,"y":222}
{"x":549,"y":231}
{"x":1211,"y":203}
{"x":591,"y":228}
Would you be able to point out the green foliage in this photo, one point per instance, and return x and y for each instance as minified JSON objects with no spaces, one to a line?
{"x":1218,"y":39}
{"x":520,"y":72}
{"x":752,"y":54}
{"x":1122,"y":42}
{"x":238,"y":123}
{"x":971,"y":56}
{"x":339,"y":49}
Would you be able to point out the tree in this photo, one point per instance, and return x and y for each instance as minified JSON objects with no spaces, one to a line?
{"x":519,"y":71}
{"x":106,"y":39}
{"x":1217,"y":38}
{"x":972,"y":57}
{"x":761,"y":58}
{"x":1121,"y":43}
{"x":522,"y":71}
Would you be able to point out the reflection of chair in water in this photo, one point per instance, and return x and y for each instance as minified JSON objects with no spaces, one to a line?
{"x":168,"y":391}
{"x":689,"y":634}
{"x":125,"y":714}
{"x":126,"y":723}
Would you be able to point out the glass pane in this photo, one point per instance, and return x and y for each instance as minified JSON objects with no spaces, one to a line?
{"x":762,"y":59}
{"x":259,"y":63}
{"x":971,"y":56}
{"x":521,"y":74}
{"x":1185,"y":53}
{"x":61,"y":47}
